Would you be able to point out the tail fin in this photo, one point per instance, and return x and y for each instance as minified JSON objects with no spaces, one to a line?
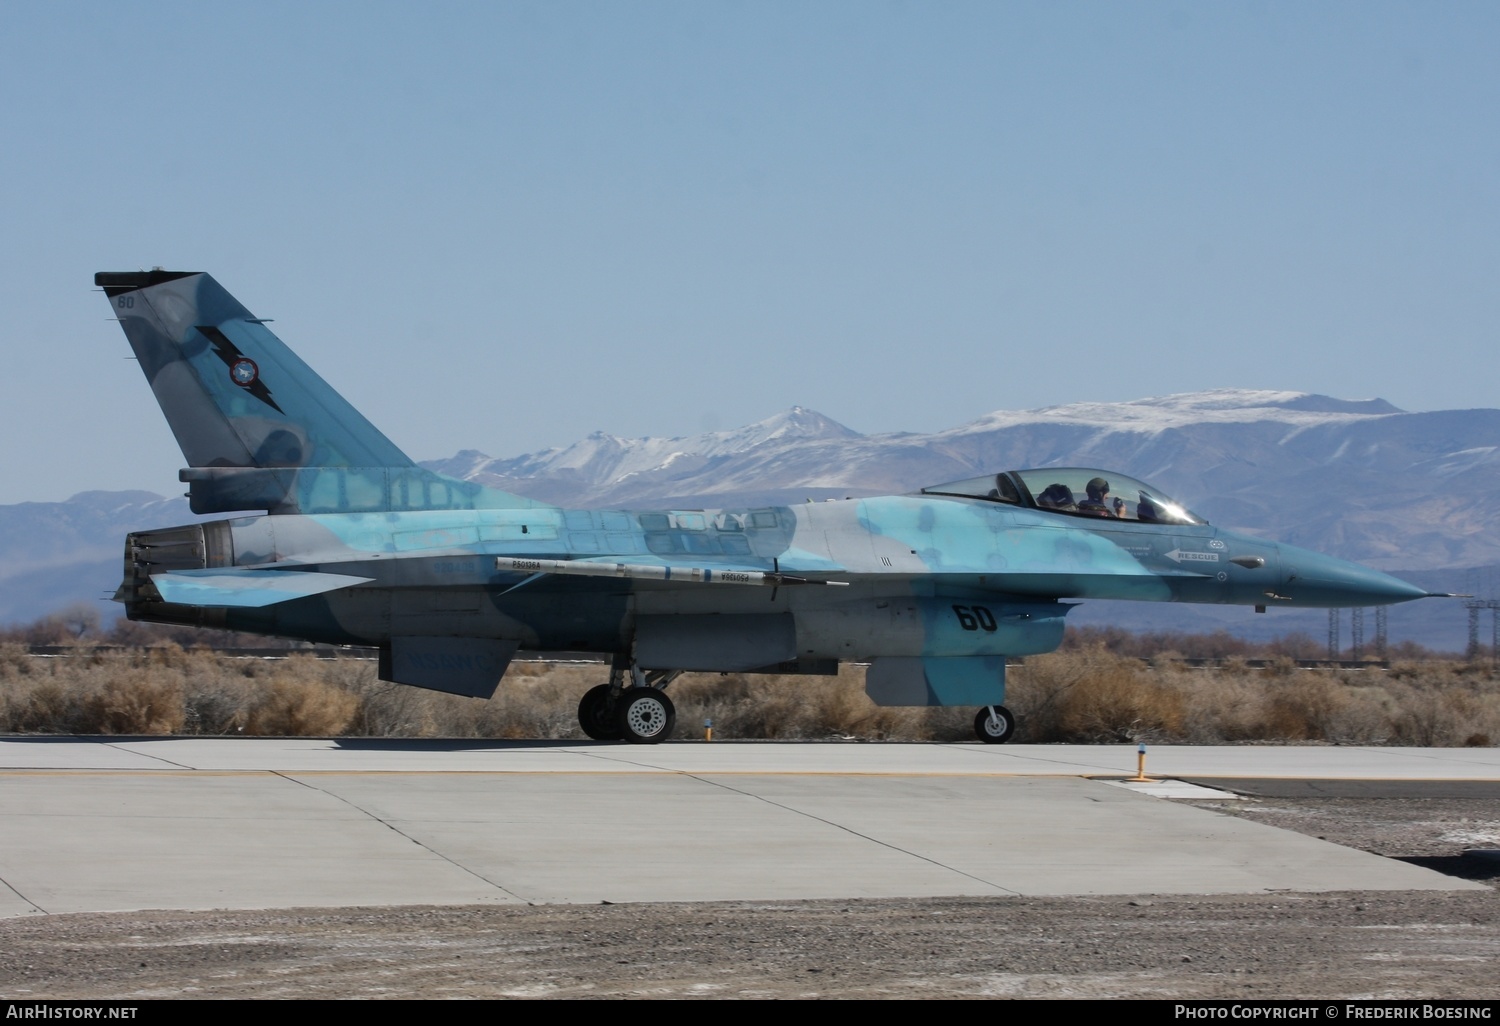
{"x":260,"y":429}
{"x":232,"y":391}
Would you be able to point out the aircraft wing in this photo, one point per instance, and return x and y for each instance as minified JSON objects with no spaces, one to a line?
{"x":246,"y":588}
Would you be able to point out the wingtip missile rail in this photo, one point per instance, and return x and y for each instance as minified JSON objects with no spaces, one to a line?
{"x":647,"y":572}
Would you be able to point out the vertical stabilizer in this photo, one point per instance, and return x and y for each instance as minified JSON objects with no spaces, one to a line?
{"x":233,"y":393}
{"x":259,"y":428}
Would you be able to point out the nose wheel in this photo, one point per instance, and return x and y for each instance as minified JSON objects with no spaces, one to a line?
{"x":994,"y":725}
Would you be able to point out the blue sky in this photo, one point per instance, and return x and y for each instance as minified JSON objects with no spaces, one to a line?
{"x":504,"y":225}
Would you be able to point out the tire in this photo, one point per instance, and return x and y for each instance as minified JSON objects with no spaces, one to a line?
{"x":994,"y":733}
{"x":644,"y":716}
{"x":595,"y":717}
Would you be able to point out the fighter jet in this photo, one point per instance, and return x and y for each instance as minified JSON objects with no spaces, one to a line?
{"x":354,"y":544}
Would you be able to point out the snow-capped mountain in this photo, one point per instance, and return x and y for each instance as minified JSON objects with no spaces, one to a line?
{"x":1358,"y":479}
{"x":53,"y":554}
{"x":605,"y":470}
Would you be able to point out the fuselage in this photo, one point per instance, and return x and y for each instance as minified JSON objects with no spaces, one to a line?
{"x":925,"y":575}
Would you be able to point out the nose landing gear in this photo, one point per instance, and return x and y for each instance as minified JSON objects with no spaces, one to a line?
{"x":994,"y":725}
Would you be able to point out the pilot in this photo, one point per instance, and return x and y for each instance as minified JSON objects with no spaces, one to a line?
{"x":1057,"y":496}
{"x":1097,"y":504}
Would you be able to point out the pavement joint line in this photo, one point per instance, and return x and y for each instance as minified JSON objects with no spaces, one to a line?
{"x":864,"y":837}
{"x":401,"y":833}
{"x":11,"y":887}
{"x":128,"y":751}
{"x":599,"y":755}
{"x":828,"y":822}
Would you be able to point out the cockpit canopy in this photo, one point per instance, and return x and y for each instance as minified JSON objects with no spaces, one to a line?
{"x":1079,"y":491}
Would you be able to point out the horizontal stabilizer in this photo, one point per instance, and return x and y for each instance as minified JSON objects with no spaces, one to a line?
{"x":250,"y":589}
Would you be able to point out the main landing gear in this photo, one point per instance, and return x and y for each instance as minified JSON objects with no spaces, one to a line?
{"x":640,"y":713}
{"x":994,"y":724}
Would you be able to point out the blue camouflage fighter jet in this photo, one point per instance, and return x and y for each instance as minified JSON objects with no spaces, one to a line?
{"x":357,"y":545}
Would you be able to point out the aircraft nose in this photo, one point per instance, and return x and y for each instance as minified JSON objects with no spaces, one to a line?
{"x":1312,"y":579}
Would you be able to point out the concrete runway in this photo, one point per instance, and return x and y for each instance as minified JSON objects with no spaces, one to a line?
{"x":105,"y":824}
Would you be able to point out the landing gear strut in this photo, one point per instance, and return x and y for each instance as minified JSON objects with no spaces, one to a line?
{"x":640,"y":712}
{"x":994,"y":724}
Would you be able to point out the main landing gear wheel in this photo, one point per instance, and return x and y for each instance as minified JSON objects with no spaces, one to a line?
{"x":595,"y":715}
{"x":644,"y":716}
{"x":994,"y":725}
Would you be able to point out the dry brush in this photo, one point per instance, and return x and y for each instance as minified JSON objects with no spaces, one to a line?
{"x":1083,"y":695}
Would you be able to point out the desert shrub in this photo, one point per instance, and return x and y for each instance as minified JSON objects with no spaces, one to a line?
{"x":1456,"y":713}
{"x":792,"y":706}
{"x":1219,"y":707}
{"x":288,"y":706}
{"x":131,"y":701}
{"x":391,"y":710}
{"x":1296,"y":645}
{"x":1093,"y":695}
{"x":90,"y":695}
{"x":15,"y":660}
{"x":1280,"y":666}
{"x":1302,"y":707}
{"x":1081,"y":695}
{"x":539,"y":704}
{"x":43,"y":707}
{"x":214,"y":706}
{"x":295,"y":697}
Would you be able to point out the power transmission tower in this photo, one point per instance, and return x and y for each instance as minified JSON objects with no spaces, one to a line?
{"x":1474,"y":606}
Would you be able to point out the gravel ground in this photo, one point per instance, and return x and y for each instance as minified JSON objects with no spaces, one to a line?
{"x":1346,"y":945}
